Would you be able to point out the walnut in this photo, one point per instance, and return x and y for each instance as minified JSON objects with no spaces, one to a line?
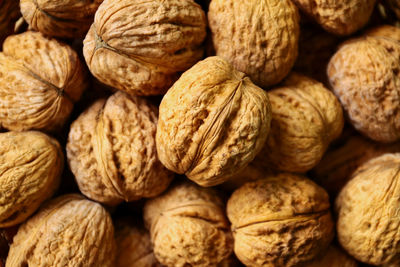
{"x":282,"y":220}
{"x":188,"y":227}
{"x":394,"y":5}
{"x":40,"y":79}
{"x":306,"y":117}
{"x":368,"y":212}
{"x":387,"y":31}
{"x":9,"y":11}
{"x":69,"y":231}
{"x":61,"y":18}
{"x":31,"y":164}
{"x":141,"y":46}
{"x":339,"y":17}
{"x":333,"y":257}
{"x":212,"y":122}
{"x":112,"y":152}
{"x":259,"y":38}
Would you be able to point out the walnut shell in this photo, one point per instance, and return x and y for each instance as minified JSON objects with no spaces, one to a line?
{"x":333,"y":257}
{"x":387,"y":31}
{"x":259,"y":38}
{"x":141,"y":46}
{"x":40,"y":79}
{"x":188,"y":227}
{"x":69,"y":231}
{"x":61,"y":18}
{"x":9,"y":12}
{"x":282,"y":220}
{"x":306,"y":117}
{"x":368,"y":212}
{"x":112,"y":152}
{"x":31,"y":164}
{"x":212,"y":122}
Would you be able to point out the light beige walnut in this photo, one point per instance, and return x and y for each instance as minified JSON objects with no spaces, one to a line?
{"x":368,"y":212}
{"x":40,"y":79}
{"x":333,"y":257}
{"x":282,"y":220}
{"x":212,"y":122}
{"x":188,"y":227}
{"x":259,"y":38}
{"x":69,"y":231}
{"x":141,"y":47}
{"x":9,"y":12}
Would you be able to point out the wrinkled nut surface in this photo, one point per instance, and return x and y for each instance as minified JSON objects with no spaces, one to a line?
{"x":306,"y":117}
{"x":213,"y":121}
{"x":30,"y":167}
{"x":141,"y":46}
{"x":112,"y":152}
{"x":368,"y":212}
{"x":9,"y":11}
{"x":40,"y":79}
{"x":61,"y":18}
{"x":339,"y":17}
{"x":282,"y":220}
{"x":333,"y":257}
{"x":69,"y":231}
{"x":188,"y":227}
{"x":259,"y":38}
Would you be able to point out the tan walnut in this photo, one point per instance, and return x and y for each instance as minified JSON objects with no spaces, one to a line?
{"x":40,"y":79}
{"x":141,"y":47}
{"x":188,"y":227}
{"x":258,"y":37}
{"x":282,"y":220}
{"x":387,"y":31}
{"x":60,"y":18}
{"x":306,"y":117}
{"x":9,"y":12}
{"x":213,"y":121}
{"x":112,"y":152}
{"x":332,"y":257}
{"x":68,"y":231}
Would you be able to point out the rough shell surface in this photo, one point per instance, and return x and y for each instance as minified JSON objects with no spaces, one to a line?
{"x":141,"y":46}
{"x":212,"y":122}
{"x":188,"y":227}
{"x":112,"y":152}
{"x":9,"y":11}
{"x":40,"y":79}
{"x":69,"y":231}
{"x":282,"y":220}
{"x":259,"y":38}
{"x":333,"y":257}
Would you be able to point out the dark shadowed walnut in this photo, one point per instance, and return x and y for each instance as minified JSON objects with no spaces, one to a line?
{"x":387,"y":31}
{"x":332,"y":257}
{"x":9,"y":12}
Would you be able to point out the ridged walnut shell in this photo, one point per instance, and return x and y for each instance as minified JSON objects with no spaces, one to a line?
{"x":9,"y":12}
{"x":69,"y":231}
{"x":306,"y":117}
{"x":61,"y":18}
{"x":333,"y":257}
{"x":259,"y":38}
{"x":212,"y":122}
{"x":141,"y":46}
{"x":112,"y":152}
{"x":188,"y":227}
{"x":282,"y":220}
{"x":40,"y":79}
{"x":31,"y":164}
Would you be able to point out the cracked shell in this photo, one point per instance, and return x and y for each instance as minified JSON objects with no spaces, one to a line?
{"x":259,"y":38}
{"x":213,"y":121}
{"x":282,"y":220}
{"x":333,"y":257}
{"x":140,"y":47}
{"x":68,"y":231}
{"x":188,"y":227}
{"x":112,"y":152}
{"x":9,"y":12}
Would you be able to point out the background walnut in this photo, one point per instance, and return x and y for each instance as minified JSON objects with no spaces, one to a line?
{"x":9,"y":12}
{"x":68,"y":231}
{"x":394,"y":5}
{"x":212,"y":122}
{"x":112,"y":152}
{"x":30,"y":167}
{"x":259,"y":38}
{"x":282,"y":220}
{"x":141,"y":46}
{"x":188,"y":227}
{"x":333,"y":257}
{"x":40,"y":79}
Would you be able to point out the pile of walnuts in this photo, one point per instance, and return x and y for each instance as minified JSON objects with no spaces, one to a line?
{"x":202,"y":133}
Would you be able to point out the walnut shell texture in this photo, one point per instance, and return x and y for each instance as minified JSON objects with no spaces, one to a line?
{"x":212,"y":122}
{"x":333,"y":257}
{"x":282,"y":220}
{"x":40,"y":79}
{"x":259,"y":38}
{"x":9,"y":11}
{"x":188,"y":227}
{"x":69,"y":231}
{"x":112,"y":152}
{"x":141,"y":46}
